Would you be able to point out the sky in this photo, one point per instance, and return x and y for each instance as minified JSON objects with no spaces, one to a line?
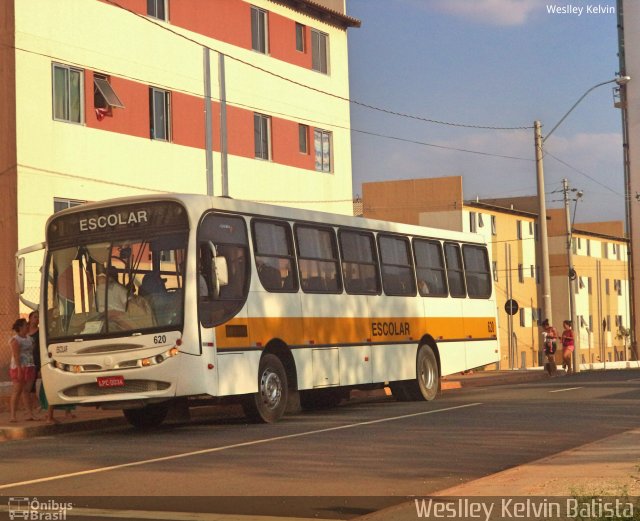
{"x":492,"y":63}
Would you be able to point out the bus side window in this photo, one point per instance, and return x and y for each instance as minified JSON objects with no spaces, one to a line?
{"x":274,"y":256}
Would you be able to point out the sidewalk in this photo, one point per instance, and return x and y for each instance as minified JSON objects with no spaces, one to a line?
{"x":91,"y":419}
{"x":608,"y":467}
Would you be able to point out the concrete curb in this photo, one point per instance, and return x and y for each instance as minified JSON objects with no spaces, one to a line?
{"x":32,"y":431}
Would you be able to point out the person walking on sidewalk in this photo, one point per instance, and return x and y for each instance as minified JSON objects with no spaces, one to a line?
{"x":34,"y":334}
{"x":568,"y":345}
{"x":22,"y":370}
{"x":550,"y":338}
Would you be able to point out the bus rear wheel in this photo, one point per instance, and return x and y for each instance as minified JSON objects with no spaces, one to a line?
{"x":427,"y":382}
{"x":147,"y":417}
{"x":270,"y":402}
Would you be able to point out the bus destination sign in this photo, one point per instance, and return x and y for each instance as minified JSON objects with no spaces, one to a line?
{"x":81,"y":226}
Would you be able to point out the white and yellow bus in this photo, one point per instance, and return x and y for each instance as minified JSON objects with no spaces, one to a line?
{"x":150,"y":300}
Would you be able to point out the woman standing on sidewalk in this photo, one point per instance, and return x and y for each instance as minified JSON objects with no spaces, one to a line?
{"x":22,"y":370}
{"x":550,"y":337}
{"x":568,"y":345}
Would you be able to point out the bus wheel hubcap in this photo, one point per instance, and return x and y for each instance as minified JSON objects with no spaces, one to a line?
{"x":271,"y":389}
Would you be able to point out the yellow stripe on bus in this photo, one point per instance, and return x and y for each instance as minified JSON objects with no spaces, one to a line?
{"x":342,"y":330}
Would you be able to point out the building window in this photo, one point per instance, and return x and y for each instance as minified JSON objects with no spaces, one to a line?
{"x":472,"y":222}
{"x":531,"y":229}
{"x":303,"y":139}
{"x":319,"y":51}
{"x":523,"y":317}
{"x":532,"y":271}
{"x":160,"y":113}
{"x":480,"y":221}
{"x":60,"y":204}
{"x":494,"y":228}
{"x":494,"y":269}
{"x":259,"y":28}
{"x":322,"y":145}
{"x":157,"y":9}
{"x":104,"y":97}
{"x":589,"y":286}
{"x":520,"y":272}
{"x":262,"y":136}
{"x":300,"y":37}
{"x":519,"y":229}
{"x":68,"y":93}
{"x":607,"y":326}
{"x":588,"y":247}
{"x":607,"y":290}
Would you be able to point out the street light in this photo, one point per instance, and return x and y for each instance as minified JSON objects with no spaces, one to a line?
{"x":542,"y":210}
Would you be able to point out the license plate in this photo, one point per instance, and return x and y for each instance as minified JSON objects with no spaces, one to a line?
{"x":111,"y":381}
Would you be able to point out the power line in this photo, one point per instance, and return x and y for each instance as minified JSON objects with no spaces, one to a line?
{"x":582,"y":173}
{"x":315,"y":89}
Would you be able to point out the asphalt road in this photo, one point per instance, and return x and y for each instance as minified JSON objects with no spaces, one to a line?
{"x":346,"y":461}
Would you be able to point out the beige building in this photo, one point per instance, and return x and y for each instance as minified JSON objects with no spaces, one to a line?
{"x":511,"y":230}
{"x":87,"y":113}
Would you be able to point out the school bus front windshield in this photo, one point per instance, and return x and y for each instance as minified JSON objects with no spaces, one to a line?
{"x":116,"y":288}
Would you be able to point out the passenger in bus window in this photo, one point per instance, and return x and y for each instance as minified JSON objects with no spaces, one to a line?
{"x":115,"y":293}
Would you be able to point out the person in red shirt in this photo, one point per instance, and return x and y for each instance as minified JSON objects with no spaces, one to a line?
{"x":568,"y":345}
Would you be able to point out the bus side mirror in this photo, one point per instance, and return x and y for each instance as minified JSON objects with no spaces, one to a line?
{"x":20,"y":275}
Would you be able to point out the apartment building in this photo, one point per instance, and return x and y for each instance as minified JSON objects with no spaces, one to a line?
{"x":511,"y":237}
{"x":510,"y":227}
{"x":106,"y":98}
{"x":600,"y":287}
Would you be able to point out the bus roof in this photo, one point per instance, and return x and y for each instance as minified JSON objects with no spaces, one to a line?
{"x":197,"y":204}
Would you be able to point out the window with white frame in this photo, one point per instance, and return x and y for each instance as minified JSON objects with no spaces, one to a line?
{"x":160,"y":114}
{"x":472,"y":222}
{"x":480,"y":221}
{"x":319,"y":51}
{"x":104,"y":96}
{"x":259,"y":30}
{"x":322,"y":147}
{"x":262,"y":136}
{"x":68,"y":93}
{"x":158,"y":9}
{"x":60,"y":203}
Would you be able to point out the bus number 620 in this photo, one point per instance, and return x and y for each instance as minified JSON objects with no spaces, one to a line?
{"x":160,"y":339}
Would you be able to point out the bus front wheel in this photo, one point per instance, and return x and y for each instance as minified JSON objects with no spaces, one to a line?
{"x":147,"y":417}
{"x":270,"y":402}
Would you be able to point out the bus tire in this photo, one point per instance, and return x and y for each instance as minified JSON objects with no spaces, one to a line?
{"x":270,"y":402}
{"x":147,"y":417}
{"x":427,"y":383}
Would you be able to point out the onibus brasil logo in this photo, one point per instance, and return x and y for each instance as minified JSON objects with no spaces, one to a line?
{"x":35,"y":510}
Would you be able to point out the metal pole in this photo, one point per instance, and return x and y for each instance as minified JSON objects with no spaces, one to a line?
{"x":223,"y":126}
{"x":542,"y":225}
{"x":509,"y":297}
{"x":571,"y":275}
{"x":208,"y":139}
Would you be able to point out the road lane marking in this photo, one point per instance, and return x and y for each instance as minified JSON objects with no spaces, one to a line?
{"x":168,"y":516}
{"x":234,"y":446}
{"x":567,"y":389}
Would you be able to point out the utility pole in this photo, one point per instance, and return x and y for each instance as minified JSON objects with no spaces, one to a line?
{"x":542,"y":226}
{"x":571,"y":277}
{"x":208,"y":132}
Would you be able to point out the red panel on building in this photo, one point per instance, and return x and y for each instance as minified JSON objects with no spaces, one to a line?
{"x":132,"y":120}
{"x":187,"y":115}
{"x":285,"y":144}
